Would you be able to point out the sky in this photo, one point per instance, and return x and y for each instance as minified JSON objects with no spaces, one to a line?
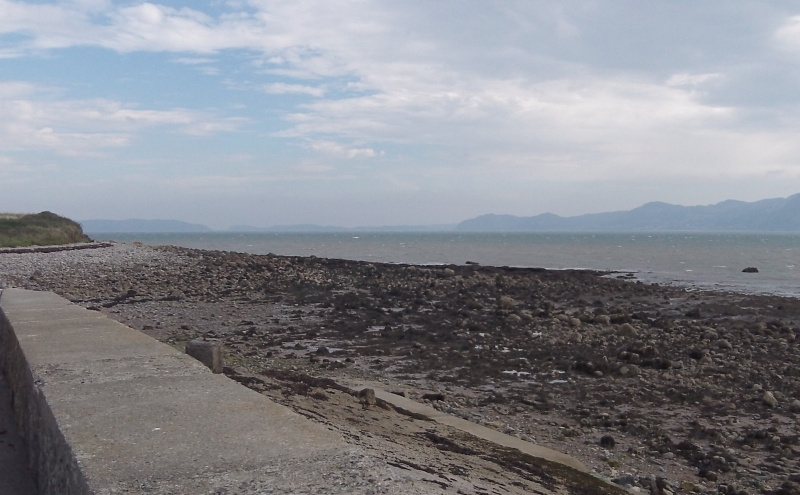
{"x":371,"y":113}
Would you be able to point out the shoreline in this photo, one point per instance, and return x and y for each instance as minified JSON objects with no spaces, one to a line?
{"x":640,"y":382}
{"x":54,"y":249}
{"x":710,"y":261}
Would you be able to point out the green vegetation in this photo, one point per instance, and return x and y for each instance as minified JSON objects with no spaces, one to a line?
{"x":40,"y":229}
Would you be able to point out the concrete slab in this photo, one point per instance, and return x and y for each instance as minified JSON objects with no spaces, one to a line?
{"x":21,"y":300}
{"x":65,"y":313}
{"x":419,"y":410}
{"x":117,"y":370}
{"x":51,"y":340}
{"x":178,"y":427}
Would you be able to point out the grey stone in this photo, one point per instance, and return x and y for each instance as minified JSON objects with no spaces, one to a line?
{"x":367,"y":397}
{"x":506,"y":302}
{"x":607,"y":441}
{"x":627,"y":330}
{"x":626,"y":480}
{"x":208,"y":352}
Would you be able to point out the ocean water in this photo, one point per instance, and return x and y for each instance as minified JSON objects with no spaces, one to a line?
{"x":699,"y":261}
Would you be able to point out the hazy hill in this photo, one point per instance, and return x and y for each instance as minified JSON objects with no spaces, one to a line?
{"x":327,"y":228}
{"x":287,"y":228}
{"x":770,"y":215}
{"x":141,"y":226}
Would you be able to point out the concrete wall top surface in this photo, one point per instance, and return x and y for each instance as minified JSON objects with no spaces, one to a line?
{"x":138,"y":416}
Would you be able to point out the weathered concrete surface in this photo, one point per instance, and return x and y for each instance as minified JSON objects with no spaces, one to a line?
{"x":15,"y":477}
{"x":419,"y":410}
{"x":106,"y":409}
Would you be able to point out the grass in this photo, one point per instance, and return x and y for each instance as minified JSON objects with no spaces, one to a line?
{"x":40,"y":229}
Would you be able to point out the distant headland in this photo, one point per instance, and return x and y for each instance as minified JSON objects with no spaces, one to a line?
{"x":39,"y":229}
{"x":768,"y":215}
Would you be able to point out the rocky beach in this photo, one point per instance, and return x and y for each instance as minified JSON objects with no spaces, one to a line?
{"x":656,"y":388}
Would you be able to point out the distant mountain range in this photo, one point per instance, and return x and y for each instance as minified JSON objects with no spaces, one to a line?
{"x":177,"y":226}
{"x":324,"y":228}
{"x":768,"y":215}
{"x":305,"y":227}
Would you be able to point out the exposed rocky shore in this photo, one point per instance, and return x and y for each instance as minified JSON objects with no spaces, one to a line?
{"x":660,"y":389}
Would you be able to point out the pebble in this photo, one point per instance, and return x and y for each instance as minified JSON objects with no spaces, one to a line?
{"x":627,"y":330}
{"x":607,"y":441}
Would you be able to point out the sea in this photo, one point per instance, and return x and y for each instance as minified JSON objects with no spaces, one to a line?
{"x":696,"y":261}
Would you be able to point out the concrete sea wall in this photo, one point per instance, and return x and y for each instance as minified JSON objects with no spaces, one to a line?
{"x":106,"y":409}
{"x":51,"y":458}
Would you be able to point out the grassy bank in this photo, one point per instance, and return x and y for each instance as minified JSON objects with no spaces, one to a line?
{"x":40,"y":229}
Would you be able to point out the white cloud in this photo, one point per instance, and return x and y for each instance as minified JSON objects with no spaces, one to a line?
{"x":495,"y":116}
{"x":30,"y":119}
{"x":202,"y":125}
{"x":338,"y":150}
{"x":686,"y":80}
{"x":313,"y":167}
{"x":787,"y":35}
{"x":294,"y":89}
{"x":153,"y":27}
{"x":195,"y":60}
{"x":145,"y":26}
{"x":203,"y":64}
{"x":47,"y":25}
